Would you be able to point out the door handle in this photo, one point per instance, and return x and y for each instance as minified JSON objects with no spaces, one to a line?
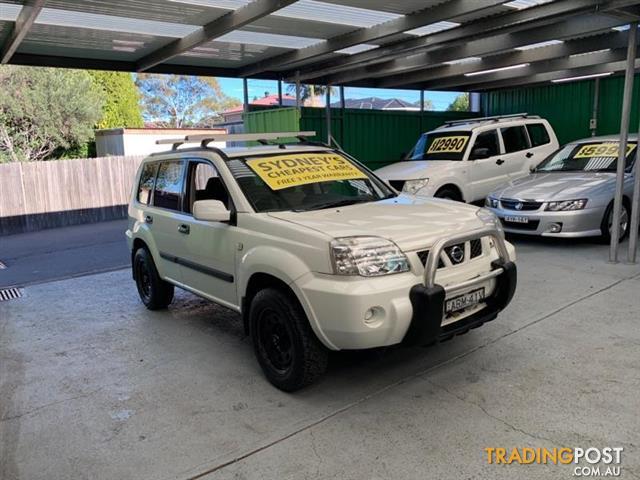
{"x":529,"y":155}
{"x":148,"y":219}
{"x":184,"y":229}
{"x":499,"y":161}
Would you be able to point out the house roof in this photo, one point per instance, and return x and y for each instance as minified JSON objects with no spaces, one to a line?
{"x":375,"y":103}
{"x":287,"y":101}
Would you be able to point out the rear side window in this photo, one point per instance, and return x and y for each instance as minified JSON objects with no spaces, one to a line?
{"x":488,"y":140}
{"x":538,"y":134}
{"x":168,"y":190}
{"x":515,"y":139}
{"x":147,"y":178}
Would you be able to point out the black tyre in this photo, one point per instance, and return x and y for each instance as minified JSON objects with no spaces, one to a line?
{"x":154,"y":292}
{"x":607,"y":222}
{"x":287,"y":349}
{"x":448,"y":193}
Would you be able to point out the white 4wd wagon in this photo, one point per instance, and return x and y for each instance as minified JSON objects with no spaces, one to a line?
{"x":465,"y":160}
{"x":313,"y":250}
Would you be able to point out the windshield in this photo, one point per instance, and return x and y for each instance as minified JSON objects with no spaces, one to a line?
{"x":441,"y":146}
{"x":587,"y":157}
{"x":305,"y":181}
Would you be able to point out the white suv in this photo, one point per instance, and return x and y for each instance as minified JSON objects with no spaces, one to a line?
{"x":465,"y":160}
{"x":313,"y":250}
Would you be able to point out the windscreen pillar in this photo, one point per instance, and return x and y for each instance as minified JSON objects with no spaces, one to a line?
{"x":624,"y":135}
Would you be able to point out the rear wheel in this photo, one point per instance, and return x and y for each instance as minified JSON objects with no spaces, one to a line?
{"x":449,"y":193}
{"x":154,"y":292}
{"x":287,"y":349}
{"x":607,"y":223}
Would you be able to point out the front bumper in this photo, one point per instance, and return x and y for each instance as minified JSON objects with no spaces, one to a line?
{"x":407,"y":307}
{"x":574,"y":224}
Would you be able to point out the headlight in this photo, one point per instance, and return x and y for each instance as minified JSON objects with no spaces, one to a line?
{"x":367,"y":257}
{"x":413,"y":186}
{"x":489,"y":218}
{"x":491,"y":202}
{"x":567,"y":205}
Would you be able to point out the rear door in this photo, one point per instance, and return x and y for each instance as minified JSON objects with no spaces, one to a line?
{"x":486,"y":173}
{"x":209,"y":251}
{"x":164,"y":216}
{"x":517,"y":151}
{"x":541,"y":144}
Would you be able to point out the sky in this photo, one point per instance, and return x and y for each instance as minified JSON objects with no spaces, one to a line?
{"x":257,"y":88}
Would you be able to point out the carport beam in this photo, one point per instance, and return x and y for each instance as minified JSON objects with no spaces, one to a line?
{"x":624,"y":134}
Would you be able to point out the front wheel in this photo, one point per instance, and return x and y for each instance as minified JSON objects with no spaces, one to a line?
{"x":287,"y":349}
{"x":607,"y":223}
{"x":154,"y":292}
{"x":448,"y":193}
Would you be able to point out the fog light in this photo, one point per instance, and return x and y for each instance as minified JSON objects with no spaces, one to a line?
{"x":374,"y":316}
{"x":554,"y":228}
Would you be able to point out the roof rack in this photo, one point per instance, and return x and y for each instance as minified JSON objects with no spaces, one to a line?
{"x":205,"y":139}
{"x":494,"y":118}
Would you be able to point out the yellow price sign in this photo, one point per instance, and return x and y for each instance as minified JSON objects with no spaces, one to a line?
{"x":449,"y":144}
{"x":610,"y":149}
{"x":284,"y":171}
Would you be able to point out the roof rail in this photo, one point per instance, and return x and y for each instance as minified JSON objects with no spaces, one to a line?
{"x":494,"y":118}
{"x":205,"y":139}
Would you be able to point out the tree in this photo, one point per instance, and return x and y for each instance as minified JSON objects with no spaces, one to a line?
{"x":45,"y":109}
{"x":121,"y":108}
{"x":459,"y":104}
{"x":179,"y":101}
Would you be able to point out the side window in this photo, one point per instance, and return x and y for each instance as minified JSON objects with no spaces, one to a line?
{"x":515,"y":139}
{"x":147,"y":178}
{"x":205,"y":184}
{"x":538,"y":134}
{"x":168,"y":190}
{"x":488,"y":140}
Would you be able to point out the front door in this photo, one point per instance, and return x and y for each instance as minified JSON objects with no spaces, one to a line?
{"x":487,"y":171}
{"x":209,"y":254}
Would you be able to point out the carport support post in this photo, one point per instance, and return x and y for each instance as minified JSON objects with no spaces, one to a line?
{"x":245,"y":95}
{"x":624,"y":134}
{"x":594,"y":112}
{"x":298,"y":89}
{"x":280,"y":93}
{"x":328,"y":113}
{"x":635,"y":211}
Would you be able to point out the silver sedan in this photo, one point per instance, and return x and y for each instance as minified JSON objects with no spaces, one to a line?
{"x":570,"y":194}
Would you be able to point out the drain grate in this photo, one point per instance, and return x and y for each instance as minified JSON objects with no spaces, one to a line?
{"x":2,"y":266}
{"x":10,"y":294}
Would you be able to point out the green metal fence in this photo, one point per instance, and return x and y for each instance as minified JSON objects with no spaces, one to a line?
{"x":375,"y":137}
{"x":567,"y":106}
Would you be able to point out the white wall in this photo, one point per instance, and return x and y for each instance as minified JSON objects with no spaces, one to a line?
{"x":139,"y":143}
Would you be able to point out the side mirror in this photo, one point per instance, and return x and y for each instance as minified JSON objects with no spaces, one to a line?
{"x":211,"y":211}
{"x":479,"y":153}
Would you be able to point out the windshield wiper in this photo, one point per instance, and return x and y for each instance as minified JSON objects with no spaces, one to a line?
{"x":336,"y":203}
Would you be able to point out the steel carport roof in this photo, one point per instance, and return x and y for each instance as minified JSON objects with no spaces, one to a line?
{"x":418,"y":44}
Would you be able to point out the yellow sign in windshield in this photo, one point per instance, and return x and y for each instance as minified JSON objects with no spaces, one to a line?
{"x":284,"y":171}
{"x":610,"y":149}
{"x":449,"y":144}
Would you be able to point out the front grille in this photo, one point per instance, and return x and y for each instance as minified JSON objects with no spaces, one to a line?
{"x":397,"y":184}
{"x":525,"y":205}
{"x":532,"y":225}
{"x":475,"y":250}
{"x":456,"y":253}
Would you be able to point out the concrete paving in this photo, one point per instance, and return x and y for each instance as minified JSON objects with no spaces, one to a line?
{"x":94,"y":386}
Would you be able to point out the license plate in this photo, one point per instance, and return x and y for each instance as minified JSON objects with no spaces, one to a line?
{"x":517,"y":219}
{"x":463,"y":301}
